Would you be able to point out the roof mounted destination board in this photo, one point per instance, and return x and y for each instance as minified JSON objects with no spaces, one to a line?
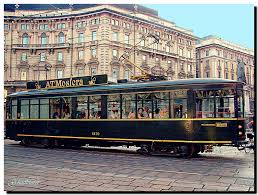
{"x":68,"y":82}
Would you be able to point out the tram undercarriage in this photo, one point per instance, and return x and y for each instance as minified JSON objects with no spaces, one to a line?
{"x":153,"y":148}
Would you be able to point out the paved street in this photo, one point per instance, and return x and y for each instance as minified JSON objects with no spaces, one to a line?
{"x":38,"y":169}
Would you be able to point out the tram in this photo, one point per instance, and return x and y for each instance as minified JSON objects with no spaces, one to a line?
{"x":179,"y":117}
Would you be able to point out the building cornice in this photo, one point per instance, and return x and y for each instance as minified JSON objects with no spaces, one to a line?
{"x":105,"y":9}
{"x":215,"y":41}
{"x":198,"y":47}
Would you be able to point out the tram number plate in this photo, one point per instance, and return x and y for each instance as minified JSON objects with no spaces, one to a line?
{"x":221,"y":124}
{"x":95,"y":133}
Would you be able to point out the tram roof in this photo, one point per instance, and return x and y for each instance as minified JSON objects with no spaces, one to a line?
{"x":127,"y":86}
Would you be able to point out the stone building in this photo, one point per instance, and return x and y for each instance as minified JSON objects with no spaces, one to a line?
{"x":218,"y":58}
{"x":89,"y":39}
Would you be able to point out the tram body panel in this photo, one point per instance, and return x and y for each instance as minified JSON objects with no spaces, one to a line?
{"x":173,"y":130}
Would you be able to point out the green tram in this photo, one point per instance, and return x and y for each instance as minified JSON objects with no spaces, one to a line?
{"x":180,"y":117}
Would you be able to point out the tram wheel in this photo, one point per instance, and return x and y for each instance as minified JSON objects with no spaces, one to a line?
{"x":197,"y":149}
{"x":25,"y":141}
{"x":46,"y":143}
{"x":145,"y":149}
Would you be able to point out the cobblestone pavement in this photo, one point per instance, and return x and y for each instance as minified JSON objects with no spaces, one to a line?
{"x":38,"y":169}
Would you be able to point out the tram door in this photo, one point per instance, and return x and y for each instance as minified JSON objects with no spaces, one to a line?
{"x":180,"y":108}
{"x":179,"y":103}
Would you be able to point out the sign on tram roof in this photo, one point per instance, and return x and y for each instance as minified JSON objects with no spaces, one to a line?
{"x":68,"y":82}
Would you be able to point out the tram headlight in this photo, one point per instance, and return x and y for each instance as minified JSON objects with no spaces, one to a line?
{"x":240,"y":133}
{"x":240,"y":126}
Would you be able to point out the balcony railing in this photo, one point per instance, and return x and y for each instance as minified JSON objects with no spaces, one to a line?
{"x":36,"y":46}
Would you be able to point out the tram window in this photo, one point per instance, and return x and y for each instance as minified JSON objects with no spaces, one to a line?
{"x":24,"y":109}
{"x":82,"y":108}
{"x":205,"y":104}
{"x":161,"y":105}
{"x":128,"y":106}
{"x":144,"y":103}
{"x":95,"y":107}
{"x":113,"y":106}
{"x":225,"y":103}
{"x":44,"y":108}
{"x":55,"y":108}
{"x":179,"y":103}
{"x":34,"y":108}
{"x":14,"y":109}
{"x":66,"y":108}
{"x":240,"y":104}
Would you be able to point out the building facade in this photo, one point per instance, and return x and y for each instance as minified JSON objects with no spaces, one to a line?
{"x":218,"y":58}
{"x":43,"y":44}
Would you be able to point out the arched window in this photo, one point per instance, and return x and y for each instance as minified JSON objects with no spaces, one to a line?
{"x":61,"y":38}
{"x":25,"y":39}
{"x":43,"y":39}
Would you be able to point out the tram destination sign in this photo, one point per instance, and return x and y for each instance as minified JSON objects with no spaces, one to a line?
{"x":68,"y":82}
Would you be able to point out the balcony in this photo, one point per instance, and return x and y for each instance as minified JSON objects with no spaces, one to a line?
{"x":41,"y":46}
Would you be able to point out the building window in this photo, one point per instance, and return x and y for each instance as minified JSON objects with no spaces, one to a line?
{"x":61,"y":37}
{"x":225,"y":55}
{"x":232,"y":76}
{"x":226,"y":75}
{"x":94,"y":52}
{"x":24,"y":26}
{"x":59,"y":74}
{"x":81,"y":24}
{"x":127,"y":74}
{"x":24,"y":57}
{"x":114,"y":53}
{"x":80,"y":72}
{"x":126,"y":39}
{"x":80,"y":55}
{"x":113,"y":22}
{"x":25,"y":39}
{"x":143,"y":43}
{"x":115,"y":73}
{"x":226,"y":65}
{"x":93,"y":71}
{"x":115,"y":36}
{"x":43,"y":57}
{"x":218,"y":52}
{"x":207,"y":53}
{"x":144,"y":58}
{"x":6,"y":26}
{"x":43,"y":39}
{"x":169,"y":62}
{"x":207,"y":74}
{"x":156,"y":59}
{"x":189,"y":68}
{"x":94,"y":35}
{"x":94,"y":21}
{"x":43,"y":26}
{"x":189,"y":53}
{"x":81,"y":37}
{"x":155,"y":46}
{"x":181,"y":51}
{"x":60,"y":57}
{"x":219,"y":73}
{"x":61,"y":26}
{"x":23,"y":75}
{"x":168,"y":48}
